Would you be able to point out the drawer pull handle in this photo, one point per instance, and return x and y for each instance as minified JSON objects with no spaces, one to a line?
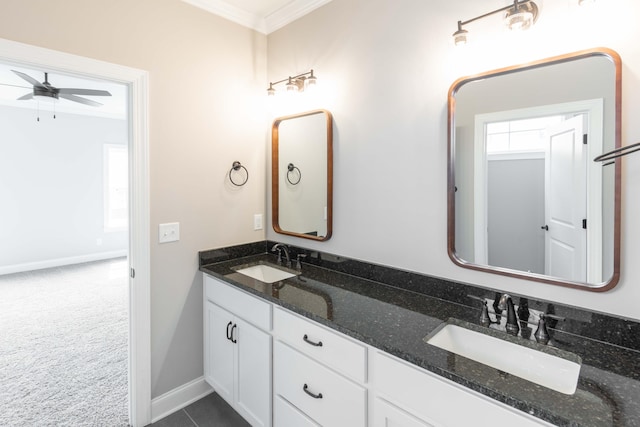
{"x":315,"y":396}
{"x":308,"y":341}
{"x":229,"y":335}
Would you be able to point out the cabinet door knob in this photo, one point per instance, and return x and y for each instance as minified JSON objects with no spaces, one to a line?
{"x":228,"y":334}
{"x":315,"y":396}
{"x":233,"y":340}
{"x":308,"y":341}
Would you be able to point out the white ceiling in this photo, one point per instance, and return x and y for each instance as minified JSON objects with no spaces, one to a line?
{"x":264,"y":16}
{"x":12,"y":87}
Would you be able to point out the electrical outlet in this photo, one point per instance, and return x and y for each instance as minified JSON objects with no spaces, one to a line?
{"x":257,"y":222}
{"x":169,"y":232}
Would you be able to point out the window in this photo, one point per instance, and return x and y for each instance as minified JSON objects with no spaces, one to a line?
{"x":519,"y":135}
{"x":116,"y":187}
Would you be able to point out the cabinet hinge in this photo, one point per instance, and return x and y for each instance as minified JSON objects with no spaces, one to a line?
{"x":133,"y":273}
{"x":584,"y":224}
{"x":585,"y":138}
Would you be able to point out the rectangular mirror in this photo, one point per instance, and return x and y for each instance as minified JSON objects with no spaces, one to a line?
{"x":302,"y":175}
{"x":525,"y":198}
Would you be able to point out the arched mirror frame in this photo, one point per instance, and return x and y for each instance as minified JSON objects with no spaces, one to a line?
{"x":275,"y":173}
{"x":451,"y":185}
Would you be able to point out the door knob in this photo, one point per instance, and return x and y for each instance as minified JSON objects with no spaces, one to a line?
{"x":545,"y":227}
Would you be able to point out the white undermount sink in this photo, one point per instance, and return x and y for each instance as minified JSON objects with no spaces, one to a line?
{"x":554,"y":372}
{"x":265,"y":273}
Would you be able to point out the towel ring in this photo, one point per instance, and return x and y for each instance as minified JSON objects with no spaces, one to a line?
{"x":290,"y":169}
{"x":618,"y":152}
{"x":236,"y":166}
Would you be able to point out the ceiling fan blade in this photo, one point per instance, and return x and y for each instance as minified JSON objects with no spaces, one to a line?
{"x":80,"y":100}
{"x":28,"y":78}
{"x":93,"y":92}
{"x":7,"y":84}
{"x":24,"y":97}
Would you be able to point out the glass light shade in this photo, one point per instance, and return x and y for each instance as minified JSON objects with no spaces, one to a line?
{"x":271,"y":91}
{"x":310,"y":81}
{"x":460,"y":37}
{"x":519,"y":20}
{"x":585,"y":2}
{"x":291,"y":86}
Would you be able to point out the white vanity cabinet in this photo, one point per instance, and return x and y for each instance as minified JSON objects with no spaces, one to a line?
{"x":318,"y":375}
{"x":408,"y":396}
{"x":237,"y":350}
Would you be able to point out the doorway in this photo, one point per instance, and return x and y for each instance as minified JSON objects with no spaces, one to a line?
{"x":139,"y":371}
{"x":538,"y":134}
{"x":64,"y":176}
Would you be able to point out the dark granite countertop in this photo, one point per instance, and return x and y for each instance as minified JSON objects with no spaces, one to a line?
{"x":397,"y":321}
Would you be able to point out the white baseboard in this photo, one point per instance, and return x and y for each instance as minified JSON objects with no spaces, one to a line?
{"x":59,"y":262}
{"x":179,"y":398}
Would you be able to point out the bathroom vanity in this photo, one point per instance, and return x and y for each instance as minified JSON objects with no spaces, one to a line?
{"x":332,"y":349}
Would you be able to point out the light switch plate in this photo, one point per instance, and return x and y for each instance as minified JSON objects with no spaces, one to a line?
{"x":257,"y":222}
{"x":169,"y":232}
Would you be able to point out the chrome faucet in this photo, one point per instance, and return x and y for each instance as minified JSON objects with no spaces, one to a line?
{"x":512,"y":322}
{"x":282,"y":248}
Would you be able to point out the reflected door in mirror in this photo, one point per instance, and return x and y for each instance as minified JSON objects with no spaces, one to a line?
{"x":525,"y":198}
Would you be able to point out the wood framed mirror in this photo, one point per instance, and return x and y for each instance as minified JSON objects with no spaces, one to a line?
{"x":525,"y":198}
{"x":302,"y":175}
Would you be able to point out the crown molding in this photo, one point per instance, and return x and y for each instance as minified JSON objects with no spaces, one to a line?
{"x":265,"y":25}
{"x":232,"y":13}
{"x":292,"y":11}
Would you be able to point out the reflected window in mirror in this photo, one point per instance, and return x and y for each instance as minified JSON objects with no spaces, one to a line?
{"x":525,"y":198}
{"x":302,"y":175}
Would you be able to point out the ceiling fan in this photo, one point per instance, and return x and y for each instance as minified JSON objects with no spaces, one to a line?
{"x":45,"y":90}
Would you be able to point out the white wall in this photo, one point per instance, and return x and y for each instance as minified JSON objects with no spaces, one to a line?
{"x":207,"y":78}
{"x":51,"y":187}
{"x":385,"y":69}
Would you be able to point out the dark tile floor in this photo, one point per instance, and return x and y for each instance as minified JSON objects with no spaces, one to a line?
{"x":210,"y":411}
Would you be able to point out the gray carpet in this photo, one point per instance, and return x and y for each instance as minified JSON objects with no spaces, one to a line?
{"x":63,"y":346}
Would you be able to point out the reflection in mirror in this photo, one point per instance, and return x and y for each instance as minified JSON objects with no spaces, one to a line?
{"x":525,"y":197}
{"x":302,"y":177}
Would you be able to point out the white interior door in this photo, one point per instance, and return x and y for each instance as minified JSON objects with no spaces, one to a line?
{"x":566,"y":206}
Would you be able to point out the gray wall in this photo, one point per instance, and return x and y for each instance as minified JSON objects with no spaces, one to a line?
{"x":385,"y":70}
{"x":51,"y":187}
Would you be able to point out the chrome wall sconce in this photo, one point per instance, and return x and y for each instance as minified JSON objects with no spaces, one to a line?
{"x":295,"y":84}
{"x":521,"y":15}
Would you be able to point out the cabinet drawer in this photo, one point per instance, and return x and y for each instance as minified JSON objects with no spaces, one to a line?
{"x":439,"y":400}
{"x":238,"y":302}
{"x":298,"y":379}
{"x":285,"y":414}
{"x":336,"y":351}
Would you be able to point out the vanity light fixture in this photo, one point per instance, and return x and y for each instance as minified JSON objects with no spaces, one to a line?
{"x":295,"y":84}
{"x":520,"y":15}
